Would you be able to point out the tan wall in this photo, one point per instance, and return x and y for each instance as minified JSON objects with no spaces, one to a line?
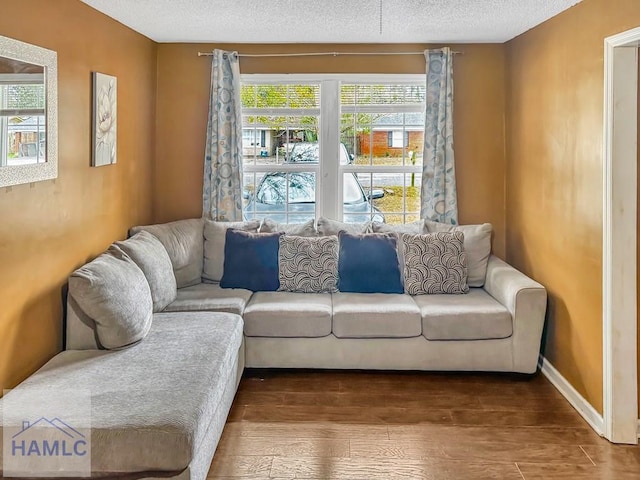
{"x":554,"y":177}
{"x":183,"y":92}
{"x":49,"y":228}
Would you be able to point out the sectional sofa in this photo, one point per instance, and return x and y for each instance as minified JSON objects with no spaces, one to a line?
{"x":160,"y":340}
{"x":497,"y":326}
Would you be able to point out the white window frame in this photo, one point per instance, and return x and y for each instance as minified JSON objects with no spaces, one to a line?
{"x":283,"y":111}
{"x":329,"y":173}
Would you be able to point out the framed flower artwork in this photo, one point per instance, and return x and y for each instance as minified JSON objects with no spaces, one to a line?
{"x":105,"y":107}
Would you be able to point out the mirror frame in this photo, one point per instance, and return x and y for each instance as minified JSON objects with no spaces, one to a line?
{"x":36,"y":172}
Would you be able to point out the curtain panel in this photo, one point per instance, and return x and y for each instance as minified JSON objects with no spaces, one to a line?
{"x":439,"y":201}
{"x":222,"y":189}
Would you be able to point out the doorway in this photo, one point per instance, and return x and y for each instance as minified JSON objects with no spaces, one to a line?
{"x":620,"y":190}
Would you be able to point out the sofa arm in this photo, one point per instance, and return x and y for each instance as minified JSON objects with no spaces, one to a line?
{"x":526,"y":300}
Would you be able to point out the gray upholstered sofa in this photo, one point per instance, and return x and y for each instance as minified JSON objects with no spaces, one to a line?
{"x":162,"y":394}
{"x":495,"y":327}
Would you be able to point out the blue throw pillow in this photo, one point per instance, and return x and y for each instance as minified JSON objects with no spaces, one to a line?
{"x":251,"y":261}
{"x":368,"y":263}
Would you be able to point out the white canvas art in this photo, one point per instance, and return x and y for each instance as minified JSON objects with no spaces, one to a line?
{"x":105,"y":106}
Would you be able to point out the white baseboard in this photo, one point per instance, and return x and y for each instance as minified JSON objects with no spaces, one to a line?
{"x":584,"y":408}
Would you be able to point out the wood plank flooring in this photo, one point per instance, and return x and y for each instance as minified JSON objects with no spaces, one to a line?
{"x":393,"y":425}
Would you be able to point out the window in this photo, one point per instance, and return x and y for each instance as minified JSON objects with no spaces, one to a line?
{"x":22,"y":119}
{"x":347,"y":147}
{"x":398,"y":139}
{"x":280,"y":149}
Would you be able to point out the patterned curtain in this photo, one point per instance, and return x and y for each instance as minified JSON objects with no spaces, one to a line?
{"x":438,"y":196}
{"x":222,"y":190}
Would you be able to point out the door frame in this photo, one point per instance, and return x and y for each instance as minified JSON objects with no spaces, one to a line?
{"x":619,"y":266}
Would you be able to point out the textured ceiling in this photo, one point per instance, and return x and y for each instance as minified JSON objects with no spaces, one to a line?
{"x":331,"y":21}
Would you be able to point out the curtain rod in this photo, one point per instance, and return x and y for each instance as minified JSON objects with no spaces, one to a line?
{"x":319,"y":54}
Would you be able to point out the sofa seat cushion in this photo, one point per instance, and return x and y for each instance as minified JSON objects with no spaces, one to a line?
{"x":210,"y":297}
{"x":287,"y":314}
{"x":375,"y":315}
{"x":474,"y":316}
{"x":151,"y":405}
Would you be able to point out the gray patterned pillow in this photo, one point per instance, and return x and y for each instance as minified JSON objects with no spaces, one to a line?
{"x":308,"y":264}
{"x":435,"y":263}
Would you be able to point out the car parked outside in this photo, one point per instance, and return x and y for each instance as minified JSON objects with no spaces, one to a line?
{"x":291,"y":196}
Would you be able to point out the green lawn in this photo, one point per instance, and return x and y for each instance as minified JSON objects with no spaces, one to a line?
{"x":393,"y":199}
{"x":393,"y":202}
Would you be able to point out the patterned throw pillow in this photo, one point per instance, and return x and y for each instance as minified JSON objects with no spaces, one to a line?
{"x":308,"y":264}
{"x":435,"y":263}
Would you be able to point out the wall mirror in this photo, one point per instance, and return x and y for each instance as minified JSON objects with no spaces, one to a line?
{"x":28,"y":113}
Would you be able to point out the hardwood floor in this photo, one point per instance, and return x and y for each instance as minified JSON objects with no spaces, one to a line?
{"x":367,"y":425}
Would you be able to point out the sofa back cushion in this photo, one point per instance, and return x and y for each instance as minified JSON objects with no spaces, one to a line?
{"x":306,"y":229}
{"x":415,"y":228}
{"x":308,"y":265}
{"x":251,"y":261}
{"x":434,"y":263}
{"x":368,"y":263}
{"x":184,"y":243}
{"x":327,"y":226}
{"x":214,"y":245}
{"x":477,"y":245}
{"x":113,"y":292}
{"x":152,"y":258}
